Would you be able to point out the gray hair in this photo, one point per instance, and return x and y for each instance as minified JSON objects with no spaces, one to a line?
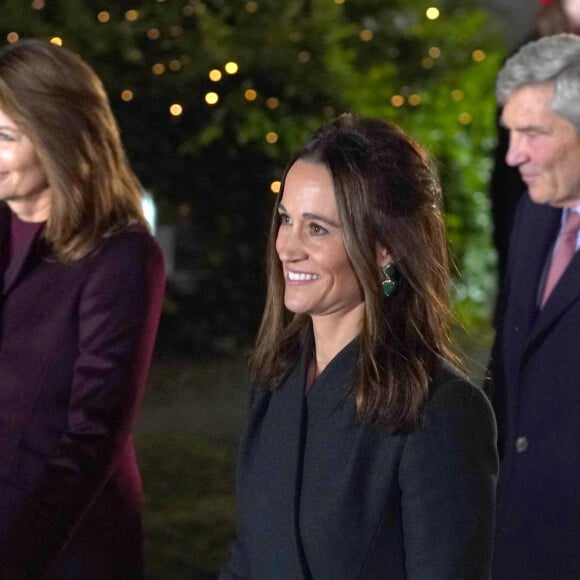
{"x":549,"y":59}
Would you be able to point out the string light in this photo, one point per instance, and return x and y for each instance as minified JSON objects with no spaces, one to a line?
{"x":251,"y":7}
{"x":366,"y":35}
{"x":56,"y":40}
{"x":250,"y":95}
{"x":427,"y":62}
{"x":103,"y":16}
{"x":127,"y":95}
{"x":434,"y":52}
{"x":478,"y":55}
{"x":175,"y":110}
{"x":175,"y":65}
{"x":231,"y":67}
{"x":37,"y":4}
{"x":272,"y":102}
{"x":12,"y":37}
{"x":158,"y":68}
{"x":397,"y":101}
{"x":303,"y":56}
{"x":153,"y":33}
{"x":457,"y":95}
{"x":131,"y":15}
{"x":339,"y":2}
{"x":271,"y":137}
{"x":414,"y":100}
{"x":215,"y":75}
{"x":432,"y":13}
{"x":275,"y":186}
{"x":465,"y":118}
{"x":211,"y":98}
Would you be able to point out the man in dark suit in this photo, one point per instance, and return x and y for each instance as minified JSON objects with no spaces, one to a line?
{"x":535,"y":367}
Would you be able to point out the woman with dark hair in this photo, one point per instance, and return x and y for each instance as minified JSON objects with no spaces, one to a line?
{"x":367,"y":455}
{"x":81,"y":283}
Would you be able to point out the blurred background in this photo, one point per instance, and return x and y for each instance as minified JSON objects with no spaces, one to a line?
{"x":212,"y":96}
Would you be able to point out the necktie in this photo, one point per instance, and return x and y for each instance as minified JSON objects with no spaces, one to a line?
{"x":563,"y":254}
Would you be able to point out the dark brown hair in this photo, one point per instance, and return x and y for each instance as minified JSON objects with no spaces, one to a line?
{"x":388,"y":194}
{"x":60,"y":103}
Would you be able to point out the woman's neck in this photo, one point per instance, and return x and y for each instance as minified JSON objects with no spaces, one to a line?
{"x":332,"y":333}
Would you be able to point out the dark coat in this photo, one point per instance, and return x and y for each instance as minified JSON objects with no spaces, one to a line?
{"x":536,"y":394}
{"x":75,"y":346}
{"x":322,"y":497}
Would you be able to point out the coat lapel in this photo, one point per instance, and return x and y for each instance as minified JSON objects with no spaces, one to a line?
{"x":534,"y":238}
{"x":29,"y":255}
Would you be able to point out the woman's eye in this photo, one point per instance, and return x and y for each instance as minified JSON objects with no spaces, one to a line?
{"x":318,"y":229}
{"x":6,"y":137}
{"x":284,"y":219}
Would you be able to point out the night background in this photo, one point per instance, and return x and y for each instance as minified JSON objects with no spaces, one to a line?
{"x":212,"y":97}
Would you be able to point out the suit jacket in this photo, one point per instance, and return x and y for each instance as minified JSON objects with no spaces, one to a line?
{"x":321,"y":496}
{"x":536,"y":394}
{"x":75,"y":346}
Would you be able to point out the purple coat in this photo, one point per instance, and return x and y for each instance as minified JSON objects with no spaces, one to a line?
{"x":75,"y":347}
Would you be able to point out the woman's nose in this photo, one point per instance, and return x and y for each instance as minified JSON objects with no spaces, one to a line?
{"x":289,"y":244}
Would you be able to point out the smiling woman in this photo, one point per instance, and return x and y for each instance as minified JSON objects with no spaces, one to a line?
{"x":81,"y":286}
{"x":366,"y":449}
{"x":23,"y":183}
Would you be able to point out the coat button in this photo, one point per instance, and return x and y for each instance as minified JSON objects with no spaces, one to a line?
{"x":521,"y":444}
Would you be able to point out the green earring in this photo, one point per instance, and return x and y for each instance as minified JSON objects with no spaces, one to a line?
{"x":389,"y":283}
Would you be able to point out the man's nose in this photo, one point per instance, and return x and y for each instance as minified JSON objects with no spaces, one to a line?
{"x":516,"y":153}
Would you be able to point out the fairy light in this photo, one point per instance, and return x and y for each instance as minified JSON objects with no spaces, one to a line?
{"x":153,"y":33}
{"x":478,"y":55}
{"x":12,"y":37}
{"x":251,"y":7}
{"x":366,"y":35}
{"x":275,"y":186}
{"x":250,"y":94}
{"x":457,"y":95}
{"x":231,"y":67}
{"x":427,"y":62}
{"x":158,"y":68}
{"x":272,"y":137}
{"x":432,"y":13}
{"x":57,"y":40}
{"x":272,"y":102}
{"x":131,"y":15}
{"x":339,"y":2}
{"x":434,"y":52}
{"x":211,"y":98}
{"x":215,"y":75}
{"x":414,"y":100}
{"x":175,"y":110}
{"x":465,"y":118}
{"x":37,"y":4}
{"x":303,"y":56}
{"x":397,"y":101}
{"x":103,"y":17}
{"x":127,"y":95}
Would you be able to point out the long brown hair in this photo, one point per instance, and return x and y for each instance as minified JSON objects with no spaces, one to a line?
{"x":61,"y":105}
{"x":387,"y":194}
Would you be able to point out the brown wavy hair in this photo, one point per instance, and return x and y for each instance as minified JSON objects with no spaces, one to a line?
{"x":59,"y":102}
{"x":387,"y":194}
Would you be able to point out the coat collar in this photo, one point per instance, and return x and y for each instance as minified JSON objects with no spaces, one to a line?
{"x":21,"y":263}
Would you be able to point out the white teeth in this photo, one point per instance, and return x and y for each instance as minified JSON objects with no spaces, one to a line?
{"x":299,"y":276}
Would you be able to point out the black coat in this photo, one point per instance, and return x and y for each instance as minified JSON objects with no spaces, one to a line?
{"x":536,"y":394}
{"x":322,"y":497}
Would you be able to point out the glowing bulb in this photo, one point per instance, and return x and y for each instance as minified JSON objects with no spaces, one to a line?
{"x":271,"y":137}
{"x":432,"y":13}
{"x":215,"y":75}
{"x":211,"y":98}
{"x":397,"y":101}
{"x":175,"y":110}
{"x":231,"y":68}
{"x":127,"y":95}
{"x":250,"y":95}
{"x":275,"y":186}
{"x":56,"y":40}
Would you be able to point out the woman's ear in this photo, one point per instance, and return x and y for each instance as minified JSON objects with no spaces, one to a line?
{"x":383,"y":256}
